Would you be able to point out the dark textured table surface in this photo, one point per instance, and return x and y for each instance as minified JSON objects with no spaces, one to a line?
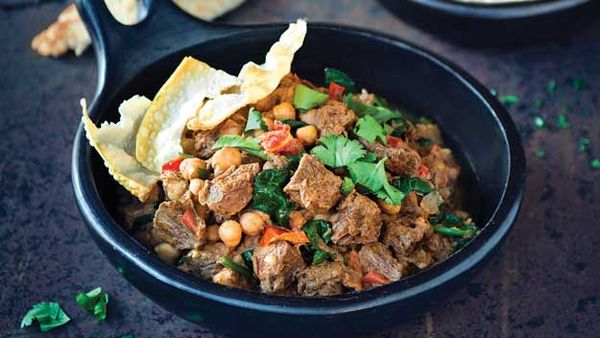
{"x":545,"y":280}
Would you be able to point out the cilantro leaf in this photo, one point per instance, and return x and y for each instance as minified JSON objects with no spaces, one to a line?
{"x":48,"y":314}
{"x":255,"y":121}
{"x":338,"y":151}
{"x":94,"y":301}
{"x":509,"y":99}
{"x":341,"y":78}
{"x":369,"y":129}
{"x":306,"y":98}
{"x":372,"y":177}
{"x":247,"y":144}
{"x":380,"y":113}
{"x":347,"y":186}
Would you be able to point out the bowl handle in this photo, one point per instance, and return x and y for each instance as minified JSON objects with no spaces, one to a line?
{"x":122,"y":51}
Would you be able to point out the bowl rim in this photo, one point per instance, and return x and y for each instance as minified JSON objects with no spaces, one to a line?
{"x":108,"y":230}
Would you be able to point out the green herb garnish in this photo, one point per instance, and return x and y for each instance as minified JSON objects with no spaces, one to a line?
{"x":551,"y":86}
{"x":306,"y":98}
{"x":380,"y":113}
{"x":247,"y":144}
{"x":247,"y":257}
{"x":268,"y":195}
{"x":493,"y":91}
{"x":369,"y":129}
{"x":341,"y":78}
{"x":372,"y":177}
{"x":538,"y":103}
{"x":465,"y":232}
{"x":407,"y":185}
{"x":540,"y":153}
{"x":539,"y":122}
{"x":595,"y":163}
{"x":338,"y":151}
{"x":48,"y":314}
{"x":509,"y":99}
{"x":255,"y":121}
{"x":584,"y":143}
{"x":562,"y":122}
{"x":242,"y":270}
{"x":294,"y":123}
{"x":578,"y":83}
{"x":347,"y":186}
{"x":94,"y":301}
{"x":318,"y":230}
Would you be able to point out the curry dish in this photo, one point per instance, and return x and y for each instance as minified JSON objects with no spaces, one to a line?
{"x":308,"y":190}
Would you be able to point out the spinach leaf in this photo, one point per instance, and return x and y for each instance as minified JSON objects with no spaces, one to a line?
{"x":294,"y":123}
{"x":306,"y":98}
{"x":247,"y":257}
{"x":268,"y":195}
{"x":255,"y":121}
{"x":341,"y":78}
{"x":406,"y":185}
{"x":379,"y":113}
{"x":318,"y":230}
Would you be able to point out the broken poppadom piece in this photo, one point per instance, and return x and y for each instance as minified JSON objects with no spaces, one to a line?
{"x":115,"y":142}
{"x":257,"y":81}
{"x":159,"y":137}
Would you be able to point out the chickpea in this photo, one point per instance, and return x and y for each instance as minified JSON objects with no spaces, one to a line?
{"x":252,"y":223}
{"x":296,"y":219}
{"x":269,"y":122}
{"x":307,"y":135}
{"x":266,"y":217}
{"x":284,"y":111}
{"x":390,"y":209}
{"x":196,"y":185}
{"x":230,"y":128}
{"x":212,"y":233}
{"x":230,"y":233}
{"x":190,"y":167}
{"x":167,"y":253}
{"x":226,"y":158}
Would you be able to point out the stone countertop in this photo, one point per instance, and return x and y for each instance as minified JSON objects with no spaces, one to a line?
{"x":544,"y":281}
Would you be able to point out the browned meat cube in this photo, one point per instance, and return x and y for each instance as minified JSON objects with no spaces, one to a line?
{"x":276,"y":266}
{"x":357,"y":221}
{"x":231,"y":278}
{"x":404,"y":233}
{"x":401,"y":160}
{"x":231,"y":191}
{"x":204,"y":262}
{"x":204,"y":141}
{"x":327,"y":279}
{"x":332,"y":118}
{"x":313,"y":186}
{"x":170,"y":228}
{"x":443,"y":170}
{"x":377,"y":257}
{"x":173,"y":184}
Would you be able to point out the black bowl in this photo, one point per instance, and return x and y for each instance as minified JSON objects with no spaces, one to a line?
{"x":493,"y":25}
{"x":136,"y":60}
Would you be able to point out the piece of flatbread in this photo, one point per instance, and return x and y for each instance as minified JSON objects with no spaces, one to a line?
{"x":159,"y":137}
{"x":67,"y":33}
{"x":258,"y":81}
{"x":207,"y":9}
{"x":115,"y":142}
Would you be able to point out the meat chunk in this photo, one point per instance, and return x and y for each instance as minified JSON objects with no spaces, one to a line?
{"x":357,"y":221}
{"x":422,"y":136}
{"x":276,"y":266}
{"x":404,"y":233}
{"x":431,"y":250}
{"x":377,"y":257}
{"x":204,"y":141}
{"x":204,"y":262}
{"x":313,"y":186}
{"x":332,"y":118}
{"x":169,"y":227}
{"x":327,"y":279}
{"x":173,"y":184}
{"x":231,"y":278}
{"x":231,"y":191}
{"x":401,"y":159}
{"x":443,"y":170}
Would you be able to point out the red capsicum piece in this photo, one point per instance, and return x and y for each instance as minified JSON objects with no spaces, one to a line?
{"x":172,"y":165}
{"x":335,"y":91}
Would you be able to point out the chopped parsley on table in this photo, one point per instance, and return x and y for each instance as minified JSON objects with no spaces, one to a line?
{"x":540,"y":153}
{"x":551,"y":86}
{"x":509,"y":99}
{"x":583,"y":145}
{"x":539,"y":122}
{"x":595,"y":163}
{"x":538,"y":103}
{"x":562,"y":122}
{"x":94,"y":301}
{"x":49,"y":315}
{"x":578,"y":83}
